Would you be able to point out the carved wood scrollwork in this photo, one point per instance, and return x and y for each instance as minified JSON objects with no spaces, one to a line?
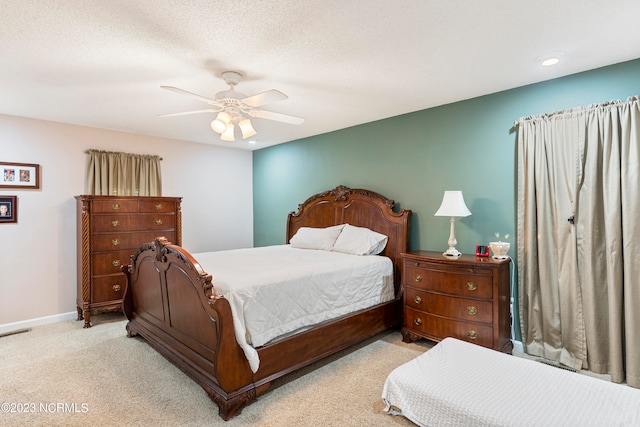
{"x":232,"y":407}
{"x":341,"y":194}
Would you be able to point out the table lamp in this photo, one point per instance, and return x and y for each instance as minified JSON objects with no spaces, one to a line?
{"x":453,"y":205}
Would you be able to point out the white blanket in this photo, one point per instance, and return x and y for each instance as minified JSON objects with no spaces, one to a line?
{"x":275,"y":290}
{"x":461,"y":384}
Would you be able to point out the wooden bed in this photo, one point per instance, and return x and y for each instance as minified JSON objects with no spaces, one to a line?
{"x":170,"y":302}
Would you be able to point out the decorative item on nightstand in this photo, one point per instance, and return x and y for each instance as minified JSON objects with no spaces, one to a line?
{"x":453,"y":205}
{"x":482,"y":250}
{"x":500,"y":248}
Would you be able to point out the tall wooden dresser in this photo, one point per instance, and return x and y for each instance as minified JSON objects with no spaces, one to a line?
{"x":466,"y":298}
{"x":110,"y":229}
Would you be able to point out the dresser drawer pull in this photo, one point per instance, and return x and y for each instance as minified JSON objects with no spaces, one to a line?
{"x":472,"y":310}
{"x":116,"y":288}
{"x":417,"y":321}
{"x":115,"y":242}
{"x":472,"y":335}
{"x":116,"y":206}
{"x":158,"y":206}
{"x":158,"y":222}
{"x":116,"y":263}
{"x":417,"y":299}
{"x":115,"y":223}
{"x":418,"y":278}
{"x":471,"y":286}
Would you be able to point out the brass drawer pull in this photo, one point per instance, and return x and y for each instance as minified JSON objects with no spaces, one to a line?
{"x":116,"y":263}
{"x":418,"y":278}
{"x":472,"y":310}
{"x":116,"y":206}
{"x":115,"y":242}
{"x":417,"y":321}
{"x":115,"y":223}
{"x":158,"y":206}
{"x":471,"y":286}
{"x":472,"y":335}
{"x":116,"y":288}
{"x":417,"y":299}
{"x":158,"y":222}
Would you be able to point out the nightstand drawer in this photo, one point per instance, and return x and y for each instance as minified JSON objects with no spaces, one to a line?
{"x":452,"y":307}
{"x":479,"y":285}
{"x":439,"y":328}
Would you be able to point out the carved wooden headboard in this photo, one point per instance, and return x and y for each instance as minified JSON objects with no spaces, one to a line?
{"x":360,"y":208}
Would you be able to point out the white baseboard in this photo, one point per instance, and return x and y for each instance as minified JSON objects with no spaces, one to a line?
{"x":26,"y":324}
{"x":517,"y":346}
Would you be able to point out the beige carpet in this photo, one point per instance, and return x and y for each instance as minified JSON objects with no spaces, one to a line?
{"x":64,"y":375}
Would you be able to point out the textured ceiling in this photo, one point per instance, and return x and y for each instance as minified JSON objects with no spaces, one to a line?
{"x":342,"y":63}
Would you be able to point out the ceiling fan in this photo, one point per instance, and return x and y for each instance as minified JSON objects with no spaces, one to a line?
{"x":234,"y":108}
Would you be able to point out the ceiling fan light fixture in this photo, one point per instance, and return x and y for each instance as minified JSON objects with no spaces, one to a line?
{"x":246,"y":128}
{"x":233,"y":107}
{"x":221,"y":122}
{"x":227,"y":135}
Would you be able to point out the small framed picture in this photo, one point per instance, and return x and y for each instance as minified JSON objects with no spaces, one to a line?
{"x":482,"y":250}
{"x":19,"y":175}
{"x":8,"y":209}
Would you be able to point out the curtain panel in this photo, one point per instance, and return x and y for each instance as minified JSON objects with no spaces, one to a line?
{"x":122,"y":174}
{"x":579,"y":239}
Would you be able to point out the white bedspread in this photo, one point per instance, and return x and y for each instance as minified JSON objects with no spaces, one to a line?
{"x":275,"y":290}
{"x":461,"y":384}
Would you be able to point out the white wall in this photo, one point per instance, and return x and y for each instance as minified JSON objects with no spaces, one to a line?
{"x":38,"y":260}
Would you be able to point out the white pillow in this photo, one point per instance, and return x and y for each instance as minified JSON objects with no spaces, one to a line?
{"x":360,"y":241}
{"x":316,"y":238}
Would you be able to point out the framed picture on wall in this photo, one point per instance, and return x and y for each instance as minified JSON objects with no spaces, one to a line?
{"x":19,"y":175}
{"x":8,"y":209}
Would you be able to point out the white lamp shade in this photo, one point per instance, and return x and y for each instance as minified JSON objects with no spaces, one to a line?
{"x":220,"y":123}
{"x":228,"y":133}
{"x":453,"y":205}
{"x":246,"y":128}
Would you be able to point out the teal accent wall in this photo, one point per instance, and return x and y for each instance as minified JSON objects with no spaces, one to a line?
{"x":413,"y":158}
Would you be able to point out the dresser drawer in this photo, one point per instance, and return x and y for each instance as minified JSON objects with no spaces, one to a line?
{"x":108,"y":288}
{"x":439,"y":328}
{"x":448,"y":306}
{"x":159,"y":206}
{"x":476,"y":285}
{"x":132,"y":222}
{"x":110,"y":262}
{"x":127,"y":241}
{"x":115,"y":206}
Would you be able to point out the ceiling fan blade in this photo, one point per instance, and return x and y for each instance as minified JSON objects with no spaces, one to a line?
{"x":265,"y":98}
{"x":193,"y":95}
{"x":208,"y":110}
{"x":279,"y":117}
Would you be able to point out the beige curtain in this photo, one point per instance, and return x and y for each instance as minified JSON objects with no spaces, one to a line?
{"x":122,"y":174}
{"x":579,"y":239}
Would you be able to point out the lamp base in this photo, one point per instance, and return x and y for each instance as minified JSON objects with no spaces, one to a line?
{"x":452,"y":253}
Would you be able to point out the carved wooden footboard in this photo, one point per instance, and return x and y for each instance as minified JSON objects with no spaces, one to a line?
{"x":171,"y":303}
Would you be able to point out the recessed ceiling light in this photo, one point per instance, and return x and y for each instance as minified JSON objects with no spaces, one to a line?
{"x":550,"y":61}
{"x":550,"y":58}
{"x":252,"y":141}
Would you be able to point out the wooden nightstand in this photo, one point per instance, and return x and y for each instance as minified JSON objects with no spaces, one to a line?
{"x":465,"y":298}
